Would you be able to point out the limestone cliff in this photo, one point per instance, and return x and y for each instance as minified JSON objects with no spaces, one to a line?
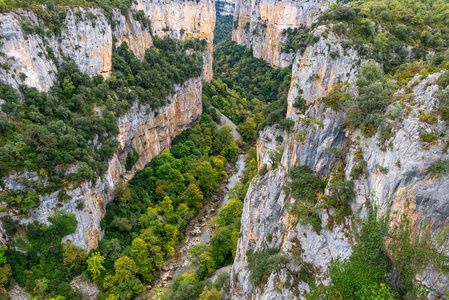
{"x":87,"y":39}
{"x":259,"y":24}
{"x":265,"y":222}
{"x":148,"y":132}
{"x":183,"y":20}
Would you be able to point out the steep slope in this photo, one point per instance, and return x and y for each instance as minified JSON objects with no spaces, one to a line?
{"x":183,"y":20}
{"x":261,"y":25}
{"x":86,"y":38}
{"x":397,"y":171}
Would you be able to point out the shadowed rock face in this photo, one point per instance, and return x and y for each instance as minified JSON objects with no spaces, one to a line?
{"x":88,"y":42}
{"x":263,"y":212}
{"x":225,"y":7}
{"x":258,"y":24}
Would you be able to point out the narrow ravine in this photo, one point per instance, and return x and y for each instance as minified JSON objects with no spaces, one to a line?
{"x":206,"y":230}
{"x":200,"y":229}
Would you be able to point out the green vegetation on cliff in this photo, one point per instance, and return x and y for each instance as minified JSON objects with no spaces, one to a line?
{"x":52,"y":134}
{"x":387,"y":258}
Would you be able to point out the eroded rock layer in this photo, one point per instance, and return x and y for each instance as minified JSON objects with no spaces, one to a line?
{"x":260,"y":25}
{"x":394,"y":174}
{"x":86,"y":38}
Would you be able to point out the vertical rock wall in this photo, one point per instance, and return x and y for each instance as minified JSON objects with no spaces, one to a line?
{"x":183,"y":20}
{"x":259,"y":24}
{"x":266,"y":223}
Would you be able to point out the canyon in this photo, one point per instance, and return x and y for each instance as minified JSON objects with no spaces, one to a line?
{"x":395,"y":177}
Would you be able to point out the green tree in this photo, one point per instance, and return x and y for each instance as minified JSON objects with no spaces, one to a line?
{"x":125,"y":269}
{"x":166,"y":207}
{"x":147,"y":254}
{"x":195,"y":197}
{"x":248,"y":129}
{"x":208,"y":177}
{"x":95,"y":265}
{"x":73,"y":256}
{"x":231,"y":211}
{"x":201,"y":256}
{"x":369,"y":106}
{"x":221,"y":243}
{"x":212,"y":294}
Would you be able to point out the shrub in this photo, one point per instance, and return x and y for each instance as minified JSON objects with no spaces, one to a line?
{"x":341,"y":193}
{"x":368,"y":263}
{"x":132,"y":159}
{"x":439,"y":167}
{"x":443,"y":103}
{"x":304,"y":188}
{"x":369,"y":106}
{"x":300,"y":104}
{"x":429,"y":137}
{"x":334,"y":54}
{"x":358,"y":169}
{"x":263,"y":170}
{"x":443,"y":80}
{"x":336,"y":97}
{"x":262,"y":263}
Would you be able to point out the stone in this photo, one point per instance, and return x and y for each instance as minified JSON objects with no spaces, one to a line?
{"x":263,"y":211}
{"x":90,"y":47}
{"x":259,"y":25}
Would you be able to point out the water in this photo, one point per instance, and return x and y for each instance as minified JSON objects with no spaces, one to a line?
{"x":206,"y":231}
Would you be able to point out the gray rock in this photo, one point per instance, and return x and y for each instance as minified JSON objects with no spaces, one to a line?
{"x":265,"y":222}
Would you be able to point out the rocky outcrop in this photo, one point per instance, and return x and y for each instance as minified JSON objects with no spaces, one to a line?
{"x":85,"y":38}
{"x":225,"y":7}
{"x":260,"y":25}
{"x":148,"y":132}
{"x":183,"y":20}
{"x":406,"y":159}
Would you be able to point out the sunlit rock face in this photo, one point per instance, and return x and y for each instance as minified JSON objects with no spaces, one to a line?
{"x":265,"y":221}
{"x":225,"y":7}
{"x":183,"y":20}
{"x":87,"y":39}
{"x":259,"y":25}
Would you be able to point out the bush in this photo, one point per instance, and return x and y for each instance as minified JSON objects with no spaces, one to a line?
{"x":132,"y":159}
{"x":439,"y":167}
{"x":304,"y":187}
{"x":262,"y":263}
{"x":344,"y":13}
{"x":9,"y":225}
{"x":429,"y":137}
{"x":263,"y":170}
{"x":369,"y":106}
{"x":368,"y":263}
{"x":341,"y":193}
{"x":358,"y":169}
{"x":443,"y":103}
{"x":334,"y":54}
